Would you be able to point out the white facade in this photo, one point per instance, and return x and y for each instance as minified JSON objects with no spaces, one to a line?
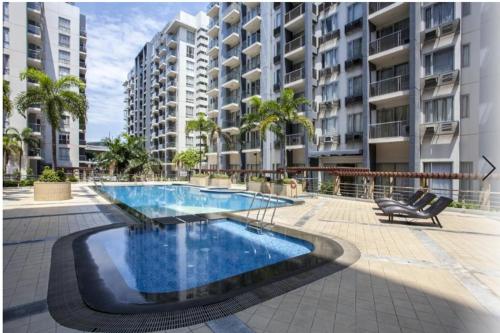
{"x":33,"y":32}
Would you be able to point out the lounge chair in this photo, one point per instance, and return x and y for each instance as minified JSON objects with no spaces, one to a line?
{"x":417,"y":205}
{"x":431,"y":212}
{"x":411,"y":200}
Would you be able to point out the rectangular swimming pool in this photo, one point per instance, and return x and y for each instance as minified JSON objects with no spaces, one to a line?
{"x":176,"y":200}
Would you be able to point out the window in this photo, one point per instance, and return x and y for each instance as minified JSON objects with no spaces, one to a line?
{"x":398,"y":113}
{"x":190,"y":66}
{"x":64,"y":25}
{"x":329,"y":24}
{"x":439,"y":13}
{"x":64,"y":138}
{"x":64,"y":121}
{"x":464,"y":106}
{"x":6,"y":67}
{"x":189,"y":111}
{"x":329,"y":58}
{"x":466,"y":185}
{"x":466,"y":55}
{"x":354,"y":49}
{"x":6,"y":40}
{"x":277,"y":19}
{"x":277,"y":76}
{"x":439,"y":186}
{"x":190,"y":37}
{"x":277,"y":50}
{"x":354,"y":86}
{"x":329,"y":92}
{"x":64,"y":57}
{"x":439,"y":62}
{"x":439,"y":109}
{"x":328,"y":125}
{"x":354,"y":123}
{"x":189,"y":96}
{"x":63,"y":154}
{"x":465,"y":8}
{"x":354,"y":12}
{"x":5,"y":11}
{"x":189,"y":81}
{"x":63,"y":71}
{"x":63,"y":40}
{"x":190,"y":52}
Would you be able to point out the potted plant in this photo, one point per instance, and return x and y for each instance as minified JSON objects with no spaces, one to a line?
{"x":52,"y":185}
{"x":199,"y":179}
{"x":288,"y":187}
{"x":220,"y":180}
{"x":259,"y":184}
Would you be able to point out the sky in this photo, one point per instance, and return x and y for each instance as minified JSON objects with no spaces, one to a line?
{"x":116,"y":32}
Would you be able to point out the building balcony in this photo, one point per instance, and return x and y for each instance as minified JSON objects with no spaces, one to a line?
{"x":354,"y":98}
{"x":231,"y":103}
{"x":170,"y":130}
{"x":171,"y":57}
{"x":34,"y":33}
{"x":251,"y":71}
{"x":232,"y":13}
{"x":213,"y":48}
{"x":213,"y":68}
{"x":34,"y":10}
{"x":213,"y":9}
{"x":171,"y":85}
{"x":172,"y":41}
{"x":393,"y":131}
{"x":334,"y":34}
{"x":212,"y":111}
{"x":295,"y":49}
{"x":353,"y":26}
{"x":328,"y":71}
{"x":354,"y":137}
{"x":170,"y":145}
{"x":252,"y":20}
{"x":251,"y":147}
{"x":34,"y":153}
{"x":391,"y":91}
{"x":230,"y":148}
{"x":354,"y":61}
{"x":248,"y":94}
{"x":294,"y":18}
{"x":252,"y":46}
{"x":232,"y":36}
{"x":171,"y":116}
{"x":156,"y":57}
{"x":83,"y":50}
{"x":35,"y":128}
{"x":35,"y":58}
{"x":231,"y":80}
{"x":231,"y":126}
{"x":232,"y":58}
{"x":383,"y":13}
{"x":390,"y":49}
{"x":213,"y":89}
{"x":83,"y":67}
{"x":171,"y":71}
{"x":35,"y":108}
{"x":295,"y":141}
{"x":213,"y":28}
{"x":295,"y":79}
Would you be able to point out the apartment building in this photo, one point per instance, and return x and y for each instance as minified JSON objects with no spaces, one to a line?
{"x":391,"y":83}
{"x":50,"y":37}
{"x":168,"y":86}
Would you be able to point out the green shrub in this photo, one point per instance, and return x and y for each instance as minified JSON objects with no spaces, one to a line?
{"x":26,"y":182}
{"x":10,"y":183}
{"x":61,"y":175}
{"x":200,"y":175}
{"x":326,"y":188}
{"x":257,"y":179}
{"x":219,"y":176}
{"x":49,"y":175}
{"x":72,"y":179}
{"x":285,"y":181}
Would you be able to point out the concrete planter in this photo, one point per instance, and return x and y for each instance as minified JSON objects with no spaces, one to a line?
{"x":220,"y":182}
{"x":262,"y":187}
{"x":52,"y":191}
{"x":286,"y":190}
{"x":199,"y":181}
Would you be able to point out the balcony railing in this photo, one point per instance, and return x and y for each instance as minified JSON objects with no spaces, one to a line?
{"x":233,"y":6}
{"x":171,"y":68}
{"x":353,"y":25}
{"x":233,"y":75}
{"x":254,"y":90}
{"x":294,"y":13}
{"x":250,"y":15}
{"x":34,"y":29}
{"x":213,"y":85}
{"x":170,"y":129}
{"x":233,"y":99}
{"x":390,"y":85}
{"x":254,"y":38}
{"x":235,"y":146}
{"x":234,"y":52}
{"x":376,"y":6}
{"x":82,"y":157}
{"x":213,"y":43}
{"x":35,"y":127}
{"x":214,"y":63}
{"x":82,"y":142}
{"x":34,"y":152}
{"x":213,"y":22}
{"x":34,"y":6}
{"x":82,"y":64}
{"x":295,"y":75}
{"x":227,"y":123}
{"x":252,"y":64}
{"x":83,"y":48}
{"x":171,"y":83}
{"x":295,"y":139}
{"x":170,"y":144}
{"x":251,"y":145}
{"x":35,"y":54}
{"x":232,"y":29}
{"x":295,"y":44}
{"x":389,"y":129}
{"x":397,"y":38}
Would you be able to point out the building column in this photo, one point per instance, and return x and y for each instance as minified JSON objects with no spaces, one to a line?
{"x":414,"y":85}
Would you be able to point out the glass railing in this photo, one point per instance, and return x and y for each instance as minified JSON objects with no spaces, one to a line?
{"x":234,"y":52}
{"x":388,"y":42}
{"x":171,"y":68}
{"x":213,"y":64}
{"x":252,"y":64}
{"x":231,"y":99}
{"x":295,"y":139}
{"x":250,"y":15}
{"x":170,"y":129}
{"x":390,"y":85}
{"x":35,"y":54}
{"x":213,"y":43}
{"x":294,"y":13}
{"x":233,"y":75}
{"x":254,"y":90}
{"x":34,"y":152}
{"x":232,"y":29}
{"x":34,"y":6}
{"x":83,"y":48}
{"x":35,"y":127}
{"x":295,"y":75}
{"x":235,"y":146}
{"x":213,"y":85}
{"x":170,"y":144}
{"x":213,"y":22}
{"x":251,"y":145}
{"x":82,"y":64}
{"x":254,"y":38}
{"x":376,"y":6}
{"x":171,"y":83}
{"x":34,"y":29}
{"x":389,"y":129}
{"x":233,"y":6}
{"x":295,"y":44}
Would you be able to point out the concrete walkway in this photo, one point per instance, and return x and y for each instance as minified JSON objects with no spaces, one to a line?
{"x":410,"y":278}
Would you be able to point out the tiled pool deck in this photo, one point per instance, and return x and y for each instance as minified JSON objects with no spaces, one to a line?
{"x":408,"y":279}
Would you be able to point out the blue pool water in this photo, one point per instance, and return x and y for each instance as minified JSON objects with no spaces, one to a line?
{"x":179,"y":257}
{"x":174,"y":200}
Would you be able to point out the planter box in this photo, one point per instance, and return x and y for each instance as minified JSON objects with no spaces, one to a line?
{"x":286,"y":190}
{"x":52,"y":191}
{"x":262,"y":187}
{"x":199,"y":181}
{"x":220,"y":182}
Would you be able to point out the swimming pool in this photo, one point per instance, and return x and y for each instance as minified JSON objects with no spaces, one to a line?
{"x":176,"y":200}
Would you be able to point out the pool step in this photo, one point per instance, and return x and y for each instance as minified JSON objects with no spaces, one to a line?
{"x":181,"y":219}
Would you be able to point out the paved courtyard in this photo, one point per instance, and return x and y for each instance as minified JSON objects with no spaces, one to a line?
{"x":409,"y":278}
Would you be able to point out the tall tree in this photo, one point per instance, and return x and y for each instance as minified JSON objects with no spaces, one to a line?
{"x":11,"y":146}
{"x":187,"y":158}
{"x":25,"y":137}
{"x":7,"y":104}
{"x":201,"y":125}
{"x":54,"y":97}
{"x":215,"y":132}
{"x":282,"y":113}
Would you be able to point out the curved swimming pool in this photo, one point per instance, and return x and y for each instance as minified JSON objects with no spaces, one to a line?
{"x":156,"y":201}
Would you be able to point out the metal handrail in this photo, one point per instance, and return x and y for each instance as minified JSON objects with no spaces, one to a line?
{"x":235,"y":6}
{"x":376,"y":6}
{"x":295,"y":12}
{"x":390,"y":85}
{"x":295,"y":139}
{"x":389,"y":129}
{"x":251,"y":14}
{"x":295,"y":44}
{"x":387,"y":42}
{"x":295,"y":75}
{"x":254,"y":38}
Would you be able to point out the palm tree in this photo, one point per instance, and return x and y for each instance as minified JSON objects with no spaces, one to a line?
{"x":7,"y":104}
{"x":187,"y":158}
{"x":280,"y":114}
{"x":215,"y":132}
{"x":23,"y":138}
{"x":201,"y":124}
{"x":54,"y":97}
{"x":11,"y":146}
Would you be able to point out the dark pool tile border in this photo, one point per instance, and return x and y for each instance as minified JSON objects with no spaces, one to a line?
{"x":69,"y":309}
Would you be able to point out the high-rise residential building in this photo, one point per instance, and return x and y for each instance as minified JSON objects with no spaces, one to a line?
{"x":167,"y":87}
{"x":394,"y":86}
{"x":50,"y":37}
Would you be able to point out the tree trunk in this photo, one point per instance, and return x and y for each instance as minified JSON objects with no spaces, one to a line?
{"x":218,"y":155}
{"x":54,"y":147}
{"x":20,"y":160}
{"x":200,"y":151}
{"x":5,"y":161}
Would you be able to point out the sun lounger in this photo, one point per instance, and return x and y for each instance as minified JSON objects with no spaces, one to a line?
{"x":431,"y":212}
{"x":411,"y":200}
{"x":417,"y":205}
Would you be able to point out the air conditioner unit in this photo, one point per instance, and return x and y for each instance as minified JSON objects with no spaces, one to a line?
{"x":431,"y":34}
{"x":428,"y":129}
{"x":327,"y":139}
{"x":449,"y":28}
{"x":431,"y":81}
{"x":447,"y":127}
{"x":448,"y":78}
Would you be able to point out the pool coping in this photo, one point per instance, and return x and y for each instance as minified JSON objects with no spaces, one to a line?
{"x":68,"y":308}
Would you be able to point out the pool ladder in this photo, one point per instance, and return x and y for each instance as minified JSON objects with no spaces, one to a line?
{"x":260,"y":222}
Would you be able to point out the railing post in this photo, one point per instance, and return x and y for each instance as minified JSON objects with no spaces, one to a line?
{"x":485,"y":196}
{"x":336,"y":185}
{"x":391,"y":186}
{"x":371,"y":187}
